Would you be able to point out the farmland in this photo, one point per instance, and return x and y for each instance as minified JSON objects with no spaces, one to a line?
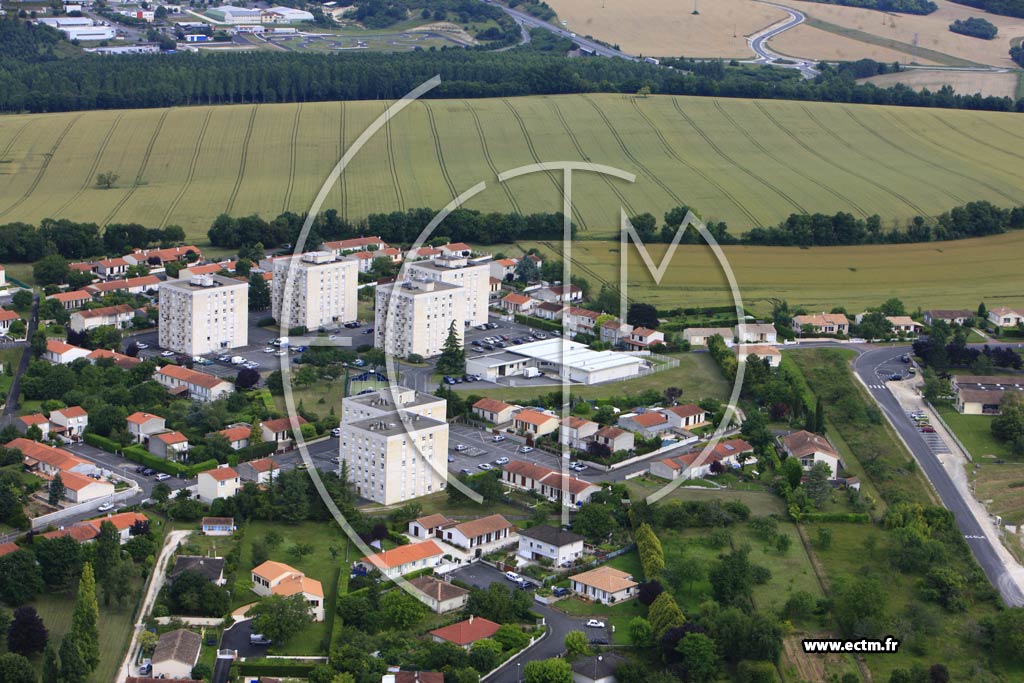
{"x":746,"y":162}
{"x":966,"y":82}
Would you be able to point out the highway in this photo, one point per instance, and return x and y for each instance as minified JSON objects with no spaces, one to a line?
{"x":527,"y":21}
{"x":759,"y":44}
{"x":870,"y":366}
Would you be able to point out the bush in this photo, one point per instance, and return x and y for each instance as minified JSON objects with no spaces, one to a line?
{"x":975,"y":27}
{"x":262,"y":667}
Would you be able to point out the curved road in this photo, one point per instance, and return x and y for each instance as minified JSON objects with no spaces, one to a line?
{"x":868,"y":366}
{"x":527,"y":21}
{"x":759,"y":44}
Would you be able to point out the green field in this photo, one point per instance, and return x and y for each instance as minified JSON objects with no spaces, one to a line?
{"x":747,"y":162}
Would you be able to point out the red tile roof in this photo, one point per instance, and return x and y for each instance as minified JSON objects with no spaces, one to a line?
{"x":263,"y":465}
{"x":141,"y":418}
{"x":403,"y":555}
{"x":8,"y":548}
{"x":649,"y":419}
{"x":467,"y":632}
{"x":103,"y":311}
{"x":533,"y":417}
{"x":491,"y":405}
{"x":187,"y":376}
{"x":239,"y":433}
{"x":79,"y":532}
{"x":688,"y":410}
{"x":282,"y":424}
{"x":121,"y":521}
{"x":220,"y":473}
{"x":73,"y":411}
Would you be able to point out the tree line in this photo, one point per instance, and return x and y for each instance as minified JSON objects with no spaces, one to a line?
{"x":33,"y":80}
{"x":26,"y":243}
{"x":902,"y":6}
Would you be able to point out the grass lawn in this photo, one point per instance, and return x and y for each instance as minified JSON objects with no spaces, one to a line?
{"x":974,"y":431}
{"x":467,"y":509}
{"x":759,"y":502}
{"x":1001,"y":489}
{"x":697,"y":375}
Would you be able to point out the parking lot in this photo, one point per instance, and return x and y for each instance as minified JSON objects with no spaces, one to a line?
{"x":888,"y":370}
{"x":931,"y":438}
{"x":480,"y":449}
{"x":505,"y":332}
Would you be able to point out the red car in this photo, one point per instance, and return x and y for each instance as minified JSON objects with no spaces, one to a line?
{"x":928,"y":430}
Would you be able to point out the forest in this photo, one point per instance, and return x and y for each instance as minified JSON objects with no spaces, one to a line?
{"x":1008,"y":8}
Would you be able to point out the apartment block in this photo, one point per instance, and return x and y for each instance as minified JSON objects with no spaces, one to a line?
{"x":390,"y":462}
{"x":414,"y":317}
{"x":388,"y":400}
{"x":204,"y":314}
{"x":315,"y":289}
{"x":473,"y":276}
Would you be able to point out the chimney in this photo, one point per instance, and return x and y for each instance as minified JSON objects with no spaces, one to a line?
{"x":471,"y":618}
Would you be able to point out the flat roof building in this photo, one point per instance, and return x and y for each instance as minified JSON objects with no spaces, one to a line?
{"x":314,"y":289}
{"x":204,"y":314}
{"x":414,"y":317}
{"x":582,"y":364}
{"x":474,"y":278}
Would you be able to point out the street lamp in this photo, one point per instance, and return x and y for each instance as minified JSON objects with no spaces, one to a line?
{"x":519,"y":678}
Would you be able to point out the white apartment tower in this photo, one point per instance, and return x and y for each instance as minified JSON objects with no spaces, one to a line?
{"x":390,"y":462}
{"x":324,"y":290}
{"x":390,"y":399}
{"x":204,"y":314}
{"x":414,"y":317}
{"x":473,"y":277}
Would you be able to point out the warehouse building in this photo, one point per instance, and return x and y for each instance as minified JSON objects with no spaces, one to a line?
{"x":582,"y":364}
{"x":234,"y":15}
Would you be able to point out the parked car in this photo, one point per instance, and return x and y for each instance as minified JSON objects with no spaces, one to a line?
{"x":142,"y":345}
{"x":560,"y":591}
{"x":105,"y":507}
{"x":149,"y":471}
{"x":598,"y":641}
{"x":146,"y":668}
{"x":513,"y":577}
{"x":501,"y":461}
{"x":928,"y":429}
{"x":486,"y":466}
{"x":595,"y":623}
{"x":167,"y":354}
{"x":526,"y":449}
{"x":336,"y":432}
{"x":497,"y":437}
{"x":336,"y":460}
{"x":163,"y":476}
{"x":466,"y":470}
{"x":906,"y":358}
{"x":895,"y":377}
{"x":461,"y":447}
{"x":259,"y":639}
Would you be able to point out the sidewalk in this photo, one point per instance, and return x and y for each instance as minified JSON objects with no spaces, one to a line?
{"x":955,"y":462}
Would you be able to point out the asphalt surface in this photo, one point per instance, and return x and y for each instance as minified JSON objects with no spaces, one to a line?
{"x":528,"y":21}
{"x":11,"y":408}
{"x":872,"y":366}
{"x":759,"y":44}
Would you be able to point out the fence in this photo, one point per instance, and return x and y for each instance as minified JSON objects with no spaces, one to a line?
{"x":949,"y":431}
{"x":46,"y":520}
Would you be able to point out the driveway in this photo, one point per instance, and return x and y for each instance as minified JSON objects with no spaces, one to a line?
{"x":237,"y":638}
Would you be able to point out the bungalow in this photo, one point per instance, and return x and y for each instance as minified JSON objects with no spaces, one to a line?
{"x":133,"y":285}
{"x":199,"y":386}
{"x":576,"y":432}
{"x":49,"y":460}
{"x":210,"y":568}
{"x":6,"y":318}
{"x":756,"y":333}
{"x":456,"y":249}
{"x":124,"y":522}
{"x":825,"y":323}
{"x":615,"y":332}
{"x":560,"y":293}
{"x":81,"y":533}
{"x":465,"y":633}
{"x":605,"y":584}
{"x":744,"y":352}
{"x":356,"y":244}
{"x":543,"y":542}
{"x":275,"y":578}
{"x":404,"y":559}
{"x":494,"y":411}
{"x":39,"y":420}
{"x":698,"y":336}
{"x":1005,"y":317}
{"x":440,"y":596}
{"x":810,"y":449}
{"x":646,"y":424}
{"x":237,"y":435}
{"x":119,"y":359}
{"x":176,"y":654}
{"x":597,"y":668}
{"x":481,"y":536}
{"x":218,"y":526}
{"x":694,"y":465}
{"x":62,"y":353}
{"x":169,"y":446}
{"x":548,"y":482}
{"x":142,"y":426}
{"x":79,"y":488}
{"x":615,"y":439}
{"x":548,"y":310}
{"x":220,"y":482}
{"x":904,"y":324}
{"x":280,"y":431}
{"x":110,"y":268}
{"x":431,"y":525}
{"x":950,"y":317}
{"x":69,"y":423}
{"x":160,"y":257}
{"x":72,"y":300}
{"x":581,"y":321}
{"x":119,"y":316}
{"x":422,"y":253}
{"x":206,"y":269}
{"x":261,"y":471}
{"x":642,"y":338}
{"x":516,"y":303}
{"x":688,"y":416}
{"x":533,"y":423}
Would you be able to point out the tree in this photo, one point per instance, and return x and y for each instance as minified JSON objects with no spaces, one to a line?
{"x":279,"y":618}
{"x":106,"y":180}
{"x":15,"y":668}
{"x":665,"y":614}
{"x":60,"y":559}
{"x":38,"y":343}
{"x":792,"y":471}
{"x":161,"y":492}
{"x":247,"y":379}
{"x":402,"y":611}
{"x":576,"y":644}
{"x":1008,"y":426}
{"x":732,"y":580}
{"x":641,"y":633}
{"x":27,"y":633}
{"x":51,"y":667}
{"x":72,"y":666}
{"x":20,"y":577}
{"x":55,"y":491}
{"x":547,"y":671}
{"x":52,"y":269}
{"x":594,"y":520}
{"x":108,"y":550}
{"x":646,"y":226}
{"x":85,"y":620}
{"x":527,"y":270}
{"x":643,"y":315}
{"x":259,"y":293}
{"x":452,"y":360}
{"x":22,"y":300}
{"x":485,"y":655}
{"x":824,"y":538}
{"x":817,"y":486}
{"x":1008,"y":628}
{"x":698,"y":657}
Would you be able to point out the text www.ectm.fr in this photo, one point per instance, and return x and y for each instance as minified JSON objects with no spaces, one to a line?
{"x":863,"y":645}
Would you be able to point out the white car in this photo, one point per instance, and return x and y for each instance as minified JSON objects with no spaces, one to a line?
{"x":486,"y":466}
{"x":163,"y":476}
{"x":512,"y":576}
{"x":336,"y":431}
{"x":501,"y":461}
{"x":105,"y":507}
{"x":167,"y":354}
{"x":142,"y":345}
{"x":595,"y":623}
{"x":461,"y":447}
{"x":526,"y":449}
{"x":269,"y":349}
{"x":497,"y":437}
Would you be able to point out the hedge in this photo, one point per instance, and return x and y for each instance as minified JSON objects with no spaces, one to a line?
{"x":264,"y":667}
{"x":539,"y":323}
{"x":137,"y":453}
{"x":101,"y":442}
{"x":850,"y":517}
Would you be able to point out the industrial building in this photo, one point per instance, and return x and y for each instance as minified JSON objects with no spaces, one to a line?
{"x":582,"y":364}
{"x":234,"y":15}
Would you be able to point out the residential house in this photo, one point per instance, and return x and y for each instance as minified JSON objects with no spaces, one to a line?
{"x":548,"y":543}
{"x":559,"y":293}
{"x":440,"y":596}
{"x":825,"y":323}
{"x":904,"y":324}
{"x":547,"y":482}
{"x":641,"y":338}
{"x":615,"y":332}
{"x":6,"y":318}
{"x":262,"y":471}
{"x":581,"y":321}
{"x":279,"y":431}
{"x":615,"y":439}
{"x":404,"y":559}
{"x":275,"y":578}
{"x":79,"y":488}
{"x":950,"y":317}
{"x":133,"y":285}
{"x":69,"y":423}
{"x":422,"y":253}
{"x":599,"y":668}
{"x":218,"y":526}
{"x":210,"y":568}
{"x":48,"y":460}
{"x":169,"y":446}
{"x":688,"y":416}
{"x":160,"y":257}
{"x":810,"y":449}
{"x":73,"y":300}
{"x":39,"y":420}
{"x":494,"y":411}
{"x":698,"y":336}
{"x":516,"y":303}
{"x":110,"y":268}
{"x":431,"y":525}
{"x":647,"y":424}
{"x":62,"y":353}
{"x":576,"y":432}
{"x":493,"y":289}
{"x":176,"y":654}
{"x":549,"y":310}
{"x":119,"y":359}
{"x":456,"y":249}
{"x":81,"y":533}
{"x":220,"y":482}
{"x":8,"y":548}
{"x":533,"y":423}
{"x":465,"y":633}
{"x":605,"y":584}
{"x":481,"y":536}
{"x":1005,"y":317}
{"x":237,"y":435}
{"x":504,"y":268}
{"x":744,"y":352}
{"x":983,"y":394}
{"x":124,"y":522}
{"x":119,"y":316}
{"x":355,"y":244}
{"x":756,"y":333}
{"x":142,"y":426}
{"x":199,"y":386}
{"x":695,"y":464}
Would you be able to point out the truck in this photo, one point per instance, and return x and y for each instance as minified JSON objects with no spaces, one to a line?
{"x":237,"y":360}
{"x":197,"y":38}
{"x":531,"y":372}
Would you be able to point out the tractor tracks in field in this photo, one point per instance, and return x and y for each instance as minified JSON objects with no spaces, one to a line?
{"x":42,"y":168}
{"x":976,"y":140}
{"x":487,"y":156}
{"x":291,"y":159}
{"x":437,"y":149}
{"x":391,"y":162}
{"x":91,"y":174}
{"x":832,"y":134}
{"x":341,"y":153}
{"x":193,"y":163}
{"x":242,"y":161}
{"x":142,"y":168}
{"x":10,"y":144}
{"x":718,"y":150}
{"x":585,"y":269}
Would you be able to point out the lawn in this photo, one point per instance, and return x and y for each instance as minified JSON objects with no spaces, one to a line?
{"x":974,"y":432}
{"x":759,"y":502}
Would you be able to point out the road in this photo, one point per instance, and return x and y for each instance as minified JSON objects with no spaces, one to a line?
{"x":759,"y":44}
{"x":11,"y":408}
{"x":872,"y":366}
{"x":527,"y":21}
